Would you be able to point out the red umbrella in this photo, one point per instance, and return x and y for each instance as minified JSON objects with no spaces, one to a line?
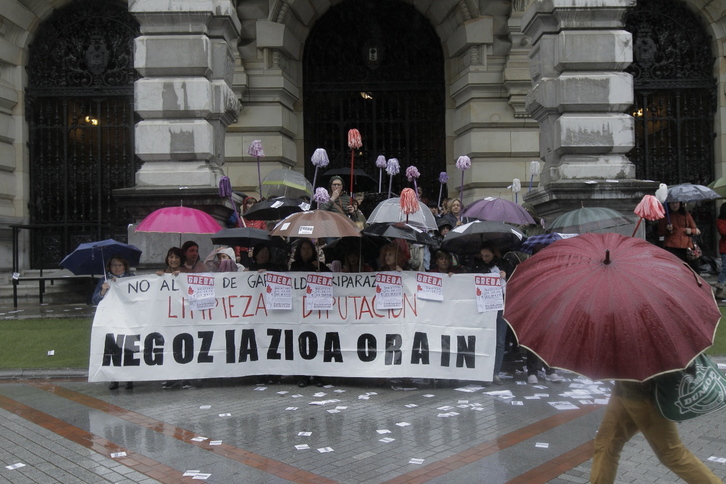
{"x":611,"y":307}
{"x":179,"y":220}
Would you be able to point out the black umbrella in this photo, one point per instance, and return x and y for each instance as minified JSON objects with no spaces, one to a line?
{"x":399,"y":230}
{"x":244,"y":237}
{"x":468,"y":238}
{"x":367,"y":247}
{"x":362,"y":181}
{"x":276,"y":208}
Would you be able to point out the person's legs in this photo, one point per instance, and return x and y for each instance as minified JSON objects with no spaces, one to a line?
{"x":662,"y":435}
{"x":722,"y":274}
{"x":501,"y":340}
{"x":615,"y":430}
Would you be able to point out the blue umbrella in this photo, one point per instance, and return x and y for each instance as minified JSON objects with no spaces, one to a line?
{"x":90,"y":258}
{"x":542,"y":239}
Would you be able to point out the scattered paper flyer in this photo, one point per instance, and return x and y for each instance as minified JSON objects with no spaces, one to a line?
{"x":403,"y":424}
{"x":305,"y":434}
{"x":319,"y":394}
{"x":283,"y":392}
{"x":191,"y":473}
{"x":336,"y":391}
{"x":215,"y":442}
{"x":291,"y":408}
{"x":115,"y":455}
{"x":322,"y":450}
{"x":720,"y":460}
{"x":202,"y":477}
{"x":260,"y":389}
{"x":386,"y":440}
{"x":542,"y":445}
{"x":205,"y":407}
{"x":51,"y":352}
{"x":501,"y":393}
{"x":416,"y":461}
{"x":564,"y":405}
{"x":333,"y":410}
{"x":383,"y":431}
{"x":468,"y":389}
{"x":225,"y":414}
{"x":517,"y":402}
{"x":199,"y":439}
{"x":428,"y":395}
{"x":411,"y":405}
{"x":341,"y":407}
{"x":445,"y":408}
{"x":302,"y":446}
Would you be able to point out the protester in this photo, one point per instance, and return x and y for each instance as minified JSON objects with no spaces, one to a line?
{"x":679,"y":232}
{"x":486,"y":262}
{"x":174,"y":262}
{"x":392,"y":258}
{"x":306,"y":259}
{"x":721,"y":226}
{"x":116,"y":267}
{"x":215,"y":260}
{"x":242,"y":254}
{"x":339,"y":200}
{"x":631,"y":409}
{"x":352,"y":261}
{"x":191,"y":255}
{"x":262,"y":259}
{"x":453,"y":217}
{"x":443,"y":263}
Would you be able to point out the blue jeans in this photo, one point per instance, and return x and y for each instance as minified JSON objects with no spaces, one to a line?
{"x":501,"y":342}
{"x":722,"y":274}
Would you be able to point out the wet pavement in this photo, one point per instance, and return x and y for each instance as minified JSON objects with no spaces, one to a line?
{"x":64,"y":429}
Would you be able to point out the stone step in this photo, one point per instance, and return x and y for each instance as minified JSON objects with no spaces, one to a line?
{"x":57,"y":291}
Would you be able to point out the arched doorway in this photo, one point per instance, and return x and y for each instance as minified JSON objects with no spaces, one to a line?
{"x":675,"y":99}
{"x":376,"y":66}
{"x":80,"y":115}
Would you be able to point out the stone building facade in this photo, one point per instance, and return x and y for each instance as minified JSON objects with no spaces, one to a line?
{"x":521,"y":80}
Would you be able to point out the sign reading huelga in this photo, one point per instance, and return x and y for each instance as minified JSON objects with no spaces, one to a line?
{"x":233,"y":324}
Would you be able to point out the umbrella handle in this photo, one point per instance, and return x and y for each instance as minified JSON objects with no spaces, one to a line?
{"x":636,"y":227}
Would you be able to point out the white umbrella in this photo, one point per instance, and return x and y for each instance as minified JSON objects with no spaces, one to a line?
{"x":389,"y":211}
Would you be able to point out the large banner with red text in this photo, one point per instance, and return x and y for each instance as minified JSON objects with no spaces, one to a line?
{"x":384,"y":325}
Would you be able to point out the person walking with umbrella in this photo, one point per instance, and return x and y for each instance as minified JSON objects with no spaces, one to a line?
{"x":679,"y":229}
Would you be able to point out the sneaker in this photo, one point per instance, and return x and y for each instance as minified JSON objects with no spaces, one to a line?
{"x":113,"y":385}
{"x":168,"y":384}
{"x":532,"y":379}
{"x":554,"y":378}
{"x":129,"y":385}
{"x":186,"y":385}
{"x":497,"y":381}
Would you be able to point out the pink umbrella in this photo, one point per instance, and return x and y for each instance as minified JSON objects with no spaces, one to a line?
{"x":649,"y":208}
{"x":179,"y":220}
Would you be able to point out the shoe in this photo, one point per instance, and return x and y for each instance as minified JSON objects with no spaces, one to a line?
{"x":497,"y":381}
{"x":113,"y":385}
{"x":129,"y":385}
{"x":532,"y":379}
{"x":554,"y":378}
{"x":186,"y":385}
{"x":302,"y":383}
{"x":168,"y":384}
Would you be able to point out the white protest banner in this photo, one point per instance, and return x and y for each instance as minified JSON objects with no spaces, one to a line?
{"x":489,"y":295}
{"x":320,"y":291}
{"x":279,"y":291}
{"x":389,"y":290}
{"x":145,"y":329}
{"x":429,"y":286}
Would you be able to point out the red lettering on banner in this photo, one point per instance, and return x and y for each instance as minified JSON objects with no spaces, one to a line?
{"x":488,"y":280}
{"x":278,"y":279}
{"x":320,"y":280}
{"x":388,"y":279}
{"x":429,"y":279}
{"x":201,"y":280}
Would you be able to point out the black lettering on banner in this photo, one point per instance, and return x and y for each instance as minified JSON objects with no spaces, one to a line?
{"x":229,"y":346}
{"x":289,"y":348}
{"x":112,"y":349}
{"x":331,"y":348}
{"x":366,"y":347}
{"x":229,"y":282}
{"x":308,"y":345}
{"x":420,"y":350}
{"x":154,"y":349}
{"x":465,"y":351}
{"x":393,"y":349}
{"x":131,"y":347}
{"x":168,"y":285}
{"x":183,"y":348}
{"x":272,"y":353}
{"x":248,"y":346}
{"x":445,"y":350}
{"x":138,"y":286}
{"x":204,"y":356}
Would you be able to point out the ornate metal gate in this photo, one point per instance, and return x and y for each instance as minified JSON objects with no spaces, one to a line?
{"x":363,"y":69}
{"x":675,"y":99}
{"x":81,"y":118}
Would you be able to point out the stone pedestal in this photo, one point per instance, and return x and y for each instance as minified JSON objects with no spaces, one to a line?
{"x":578,"y":97}
{"x":185,"y":55}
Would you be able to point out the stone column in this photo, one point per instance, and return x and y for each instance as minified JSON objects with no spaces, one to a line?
{"x":579,"y":97}
{"x":185,"y":102}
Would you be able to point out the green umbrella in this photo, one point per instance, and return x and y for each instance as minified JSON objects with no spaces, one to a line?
{"x":588,"y":219}
{"x":719,"y":186}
